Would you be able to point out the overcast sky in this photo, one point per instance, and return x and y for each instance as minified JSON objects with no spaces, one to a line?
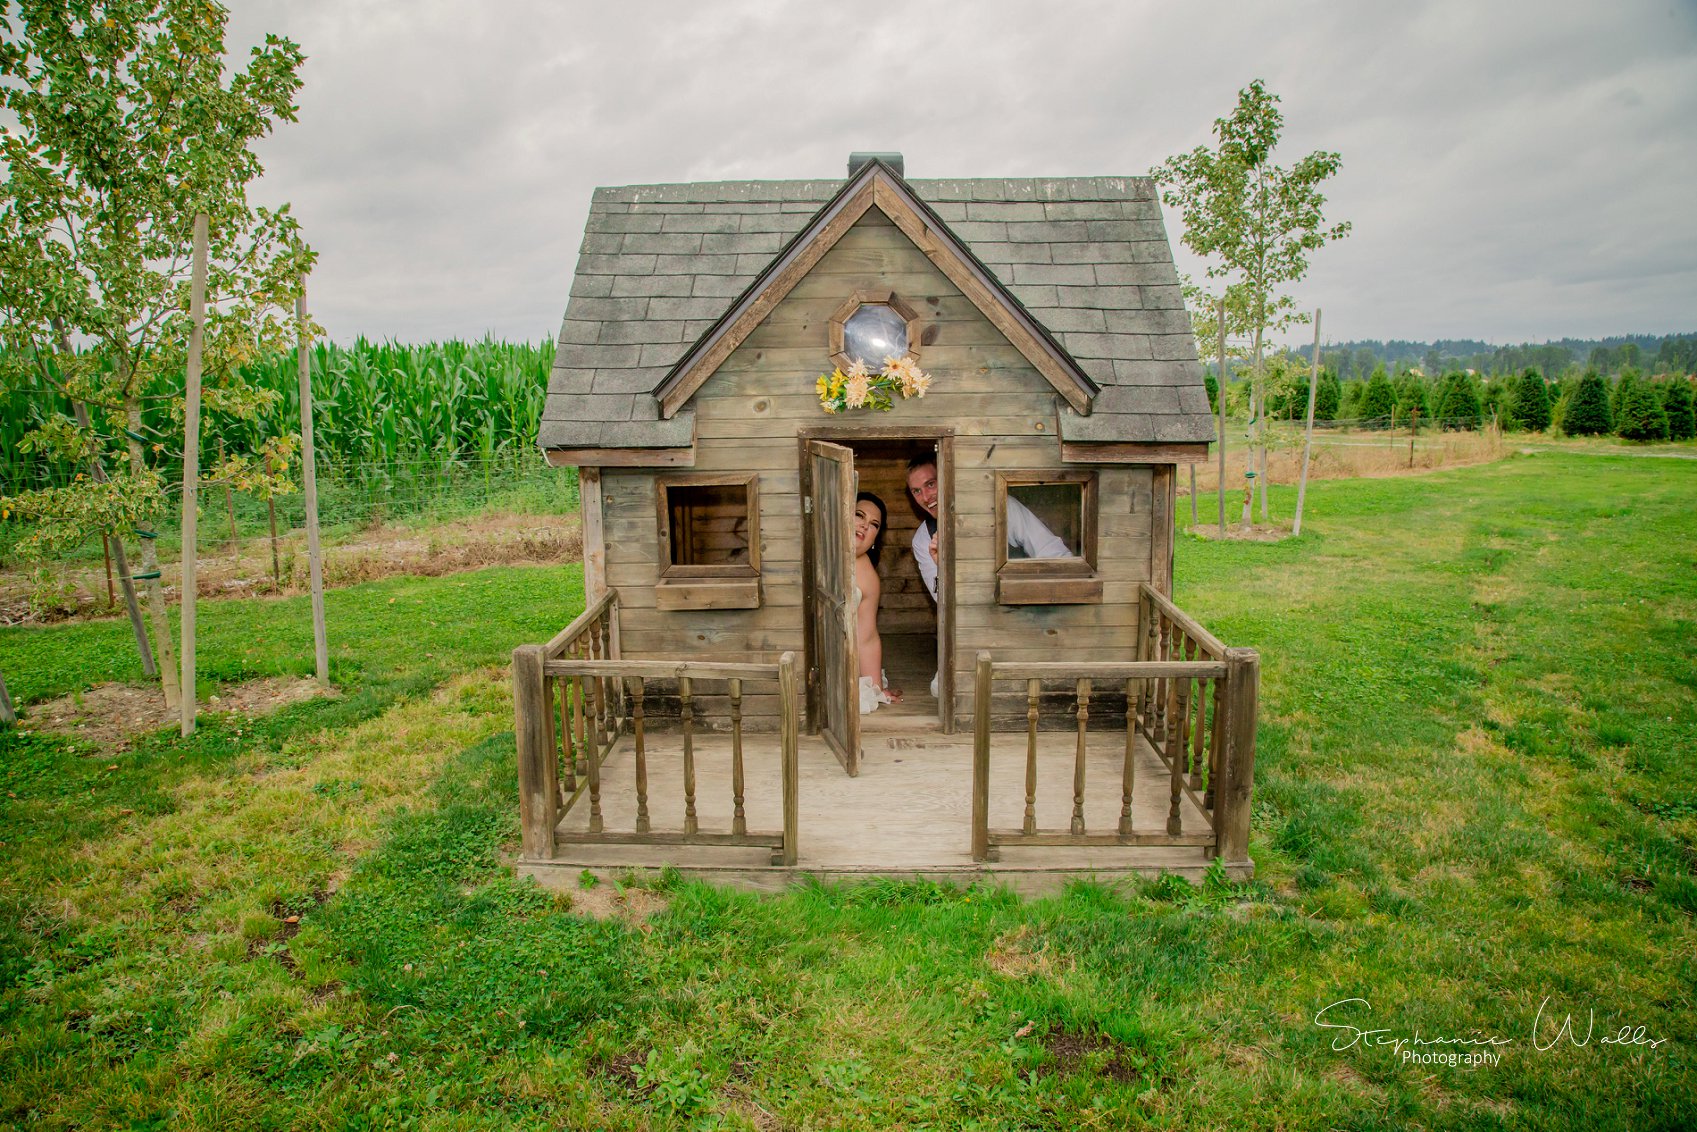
{"x":1513,"y":171}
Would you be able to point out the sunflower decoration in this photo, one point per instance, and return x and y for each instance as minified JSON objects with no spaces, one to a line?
{"x":858,"y":387}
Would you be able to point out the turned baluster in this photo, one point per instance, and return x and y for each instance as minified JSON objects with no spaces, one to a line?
{"x":1145,"y":687}
{"x":1033,"y":688}
{"x":1198,"y":727}
{"x":1216,"y":741}
{"x":1128,"y":775}
{"x":594,"y":780}
{"x":739,"y":822}
{"x":687,"y":708}
{"x":568,"y":750}
{"x":1163,"y":686}
{"x":641,"y":762}
{"x":1178,"y":690}
{"x":1078,"y":760}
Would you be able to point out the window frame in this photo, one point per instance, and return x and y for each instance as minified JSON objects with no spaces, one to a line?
{"x":716,"y":586}
{"x":859,"y":299}
{"x":1049,"y":581}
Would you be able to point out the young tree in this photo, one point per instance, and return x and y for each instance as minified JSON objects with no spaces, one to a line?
{"x":1411,"y":398}
{"x":1255,"y":222}
{"x":125,"y":126}
{"x":1682,"y":415}
{"x":1531,"y":409}
{"x":1642,"y":416}
{"x":1586,"y":412}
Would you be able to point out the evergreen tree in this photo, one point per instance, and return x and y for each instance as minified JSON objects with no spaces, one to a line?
{"x":1531,"y":406}
{"x":1682,"y":414}
{"x":1377,"y":400}
{"x":1349,"y":400}
{"x":1458,"y":402}
{"x":1617,"y":396}
{"x":1213,"y":386}
{"x":1327,"y":396}
{"x":1641,"y":414}
{"x":1586,"y":412}
{"x":1411,"y":397}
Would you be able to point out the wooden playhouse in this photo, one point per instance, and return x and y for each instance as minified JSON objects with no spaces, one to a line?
{"x":702,"y":712}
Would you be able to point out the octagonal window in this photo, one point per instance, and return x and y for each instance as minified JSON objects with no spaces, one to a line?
{"x":873,"y":333}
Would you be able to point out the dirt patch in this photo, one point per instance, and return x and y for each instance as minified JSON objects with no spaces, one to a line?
{"x":1093,"y":1053}
{"x":1013,"y":956}
{"x":1252,"y":533}
{"x":621,"y":1070}
{"x":378,"y":552}
{"x":111,"y":715}
{"x":605,"y":901}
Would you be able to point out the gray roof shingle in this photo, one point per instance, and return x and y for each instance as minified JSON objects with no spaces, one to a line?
{"x":1087,"y":257}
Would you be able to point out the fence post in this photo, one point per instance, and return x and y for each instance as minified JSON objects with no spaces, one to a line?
{"x":791,"y":723}
{"x":981,"y":760}
{"x":1232,"y":809}
{"x":539,"y":793}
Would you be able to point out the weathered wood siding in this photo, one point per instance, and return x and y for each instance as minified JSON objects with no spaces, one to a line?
{"x":1004,"y":416}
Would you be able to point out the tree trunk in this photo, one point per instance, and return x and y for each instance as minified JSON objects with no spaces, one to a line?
{"x":115,"y":541}
{"x":150,"y":565}
{"x":1260,"y":396}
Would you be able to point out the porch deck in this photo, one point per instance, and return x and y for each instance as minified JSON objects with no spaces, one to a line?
{"x":908,"y":814}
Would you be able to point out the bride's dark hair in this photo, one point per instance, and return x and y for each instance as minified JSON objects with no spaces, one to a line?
{"x":883,"y":521}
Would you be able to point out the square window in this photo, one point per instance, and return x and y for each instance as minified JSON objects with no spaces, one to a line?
{"x":1046,"y":538}
{"x":709,"y":542}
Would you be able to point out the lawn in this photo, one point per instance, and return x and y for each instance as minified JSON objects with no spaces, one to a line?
{"x":1476,"y":816}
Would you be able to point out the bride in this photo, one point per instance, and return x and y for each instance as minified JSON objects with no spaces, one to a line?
{"x":869,"y":520}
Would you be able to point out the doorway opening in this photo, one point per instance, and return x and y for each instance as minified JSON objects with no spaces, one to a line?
{"x":907,"y":613}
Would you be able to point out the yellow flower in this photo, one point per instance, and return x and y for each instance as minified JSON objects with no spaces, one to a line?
{"x":823,"y":385}
{"x":829,"y":406}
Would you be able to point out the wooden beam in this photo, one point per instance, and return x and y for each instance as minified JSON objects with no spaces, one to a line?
{"x":594,"y":532}
{"x":1232,"y":799}
{"x":620,"y":457}
{"x":1075,"y":452}
{"x":538,"y":770}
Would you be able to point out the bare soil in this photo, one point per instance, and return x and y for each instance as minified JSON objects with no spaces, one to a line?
{"x":378,"y":552}
{"x":112,"y":715}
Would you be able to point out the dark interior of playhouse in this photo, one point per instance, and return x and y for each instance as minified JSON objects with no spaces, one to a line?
{"x":907,"y":617}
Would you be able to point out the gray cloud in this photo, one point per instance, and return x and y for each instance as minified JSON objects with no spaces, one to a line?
{"x":1513,"y":171}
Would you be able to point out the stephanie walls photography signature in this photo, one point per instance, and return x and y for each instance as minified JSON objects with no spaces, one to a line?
{"x":1477,"y":1047}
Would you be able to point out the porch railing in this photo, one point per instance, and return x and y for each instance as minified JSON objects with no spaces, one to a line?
{"x":1194,"y":701}
{"x":574,"y":698}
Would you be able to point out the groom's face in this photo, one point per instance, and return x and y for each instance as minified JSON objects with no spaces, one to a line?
{"x":922,"y":485}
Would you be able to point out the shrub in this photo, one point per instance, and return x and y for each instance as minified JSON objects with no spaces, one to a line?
{"x":1531,"y":406}
{"x":1682,"y":414}
{"x":1212,"y":384}
{"x":1587,"y":411}
{"x":1458,"y":402}
{"x":1642,"y":416}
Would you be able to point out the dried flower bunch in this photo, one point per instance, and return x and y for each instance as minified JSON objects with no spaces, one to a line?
{"x":859,"y":388}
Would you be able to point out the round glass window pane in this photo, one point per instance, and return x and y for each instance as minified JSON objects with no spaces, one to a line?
{"x":873,"y":333}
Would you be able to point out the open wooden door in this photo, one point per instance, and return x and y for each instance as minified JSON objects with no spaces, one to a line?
{"x":836,"y":667}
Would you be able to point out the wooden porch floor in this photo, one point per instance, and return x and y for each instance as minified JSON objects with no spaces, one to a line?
{"x":908,"y":813}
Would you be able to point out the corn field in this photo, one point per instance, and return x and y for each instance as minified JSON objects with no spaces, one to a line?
{"x":376,"y":406}
{"x":398,"y":430}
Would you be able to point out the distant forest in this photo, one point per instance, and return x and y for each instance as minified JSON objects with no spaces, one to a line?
{"x":1646,"y":353}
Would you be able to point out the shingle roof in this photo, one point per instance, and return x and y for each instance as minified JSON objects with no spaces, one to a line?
{"x":1087,"y":257}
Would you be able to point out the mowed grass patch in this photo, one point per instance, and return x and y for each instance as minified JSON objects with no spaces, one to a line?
{"x":1471,"y":798}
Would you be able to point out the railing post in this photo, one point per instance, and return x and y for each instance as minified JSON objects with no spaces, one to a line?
{"x":790,"y":707}
{"x":1232,"y":800}
{"x":981,"y":760}
{"x":538,"y":770}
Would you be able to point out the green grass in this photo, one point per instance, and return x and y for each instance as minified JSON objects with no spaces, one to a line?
{"x":1475,"y":791}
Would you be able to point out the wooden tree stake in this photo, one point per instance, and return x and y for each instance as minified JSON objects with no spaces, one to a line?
{"x":191,"y":468}
{"x":1220,"y":400}
{"x":309,"y":479}
{"x":7,"y":715}
{"x":1308,"y":435}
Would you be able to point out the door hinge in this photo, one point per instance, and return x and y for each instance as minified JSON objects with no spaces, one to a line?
{"x":807,"y":505}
